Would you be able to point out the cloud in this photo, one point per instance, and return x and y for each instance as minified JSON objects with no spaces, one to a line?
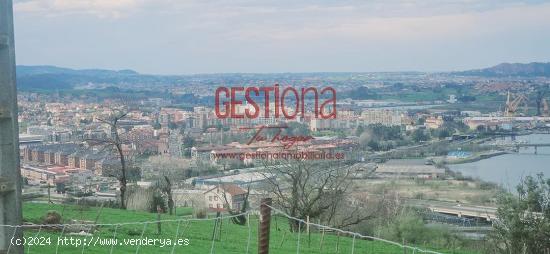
{"x":175,"y":36}
{"x":298,"y":23}
{"x":99,"y":8}
{"x":226,"y":8}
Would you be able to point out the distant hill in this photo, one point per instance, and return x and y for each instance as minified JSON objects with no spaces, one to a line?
{"x":47,"y":77}
{"x":57,"y":78}
{"x":511,"y":70}
{"x":48,"y":69}
{"x":52,"y":77}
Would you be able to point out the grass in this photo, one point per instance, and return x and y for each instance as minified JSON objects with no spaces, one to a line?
{"x":232,"y":238}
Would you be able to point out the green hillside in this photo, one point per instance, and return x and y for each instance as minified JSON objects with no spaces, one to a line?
{"x":232,"y":238}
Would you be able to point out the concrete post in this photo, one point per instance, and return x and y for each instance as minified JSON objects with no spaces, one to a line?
{"x":10,"y":175}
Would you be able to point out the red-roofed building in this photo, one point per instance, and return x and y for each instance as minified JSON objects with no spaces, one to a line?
{"x":220,"y":196}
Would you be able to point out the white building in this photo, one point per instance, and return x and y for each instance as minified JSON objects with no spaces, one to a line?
{"x":224,"y":195}
{"x":384,"y":117}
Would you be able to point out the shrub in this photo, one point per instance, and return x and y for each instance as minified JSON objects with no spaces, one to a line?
{"x":200,"y":212}
{"x":51,"y":217}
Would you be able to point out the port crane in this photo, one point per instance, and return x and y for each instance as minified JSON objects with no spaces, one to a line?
{"x":513,"y":102}
{"x":546,"y":108}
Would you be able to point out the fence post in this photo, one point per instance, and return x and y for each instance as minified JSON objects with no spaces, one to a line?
{"x":307,"y":230}
{"x":159,"y":229}
{"x":220,"y":228}
{"x":265,"y":221}
{"x":215,"y":229}
{"x":307,"y":224}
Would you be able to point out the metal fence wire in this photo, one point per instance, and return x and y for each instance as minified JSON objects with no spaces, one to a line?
{"x":219,"y":240}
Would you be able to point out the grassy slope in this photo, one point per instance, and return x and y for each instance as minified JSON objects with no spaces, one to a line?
{"x":233,"y":237}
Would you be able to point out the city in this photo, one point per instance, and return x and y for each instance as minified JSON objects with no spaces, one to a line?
{"x":415,"y":150}
{"x":313,"y":157}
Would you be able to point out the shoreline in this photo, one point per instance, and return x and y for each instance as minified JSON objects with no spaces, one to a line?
{"x":475,"y":158}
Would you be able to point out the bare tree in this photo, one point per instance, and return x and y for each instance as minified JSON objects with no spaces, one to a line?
{"x":315,"y":189}
{"x":238,"y":216}
{"x":115,"y":142}
{"x":164,"y":186}
{"x":170,"y":171}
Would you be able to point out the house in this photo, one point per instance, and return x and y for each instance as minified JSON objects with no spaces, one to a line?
{"x":49,"y":156}
{"x":62,"y":155}
{"x":204,"y":153}
{"x":38,"y":175}
{"x":37,"y":154}
{"x":88,"y":160}
{"x":434,"y":122}
{"x":74,"y":159}
{"x":27,"y":154}
{"x":219,"y":197}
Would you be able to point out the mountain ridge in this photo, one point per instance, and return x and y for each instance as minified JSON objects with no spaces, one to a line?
{"x":54,"y":77}
{"x":533,"y":69}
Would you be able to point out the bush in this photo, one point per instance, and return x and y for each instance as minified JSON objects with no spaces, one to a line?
{"x":524,"y":218}
{"x":91,"y":202}
{"x":487,"y":185}
{"x":420,"y":181}
{"x":158,"y":201}
{"x":411,"y":228}
{"x":52,"y":217}
{"x":419,"y":195}
{"x":200,"y":212}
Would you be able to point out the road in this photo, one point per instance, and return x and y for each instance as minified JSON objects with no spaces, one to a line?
{"x":484,"y":212}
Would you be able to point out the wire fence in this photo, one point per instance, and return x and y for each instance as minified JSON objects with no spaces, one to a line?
{"x":196,"y":235}
{"x":341,"y":232}
{"x":171,"y":235}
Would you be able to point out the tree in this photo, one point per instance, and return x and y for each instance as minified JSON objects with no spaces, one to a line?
{"x":359,"y":130}
{"x":442,"y":133}
{"x":365,"y":138}
{"x":318,"y":190}
{"x":166,"y":171}
{"x":384,"y":133}
{"x":164,"y":186}
{"x":523,"y":224}
{"x":374,"y":145}
{"x":157,"y":125}
{"x":238,"y":216}
{"x":419,"y":135}
{"x":296,"y":129}
{"x":114,"y":142}
{"x":188,"y":143}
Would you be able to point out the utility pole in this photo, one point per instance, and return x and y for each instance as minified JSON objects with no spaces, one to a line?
{"x":10,"y":175}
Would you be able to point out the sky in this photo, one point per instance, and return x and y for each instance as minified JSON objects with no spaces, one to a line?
{"x":227,"y":36}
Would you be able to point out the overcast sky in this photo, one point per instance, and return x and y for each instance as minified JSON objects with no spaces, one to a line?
{"x":211,"y":36}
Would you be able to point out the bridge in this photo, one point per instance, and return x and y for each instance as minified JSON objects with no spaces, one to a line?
{"x":517,"y":146}
{"x":483,"y":212}
{"x":486,"y":213}
{"x":528,"y":145}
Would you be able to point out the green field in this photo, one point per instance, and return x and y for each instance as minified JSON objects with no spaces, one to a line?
{"x":232,"y":238}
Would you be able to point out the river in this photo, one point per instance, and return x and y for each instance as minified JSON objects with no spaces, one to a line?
{"x":509,"y":169}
